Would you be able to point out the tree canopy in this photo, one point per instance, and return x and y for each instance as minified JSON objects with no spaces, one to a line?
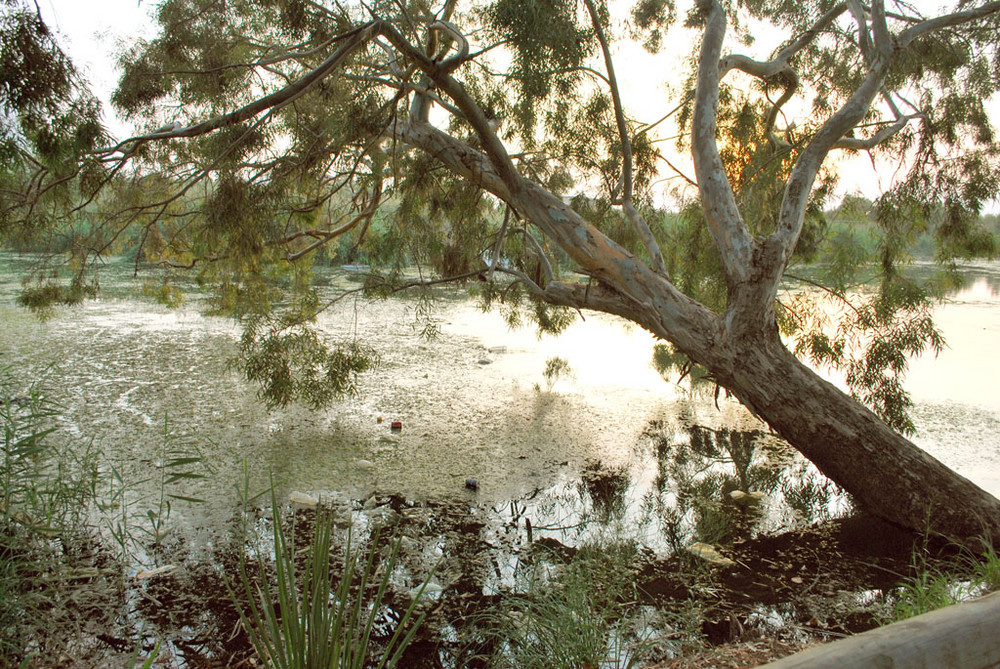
{"x":489,"y":140}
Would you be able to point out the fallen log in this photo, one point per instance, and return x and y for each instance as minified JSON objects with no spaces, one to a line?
{"x":964,"y":636}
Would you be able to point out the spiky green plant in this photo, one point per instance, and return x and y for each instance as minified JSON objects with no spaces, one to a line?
{"x":310,"y":627}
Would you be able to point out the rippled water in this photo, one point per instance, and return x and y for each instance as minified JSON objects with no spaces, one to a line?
{"x":473,"y":402}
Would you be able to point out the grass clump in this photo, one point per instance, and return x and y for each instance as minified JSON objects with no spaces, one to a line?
{"x":581,"y":612}
{"x":935,"y":585}
{"x":319,"y":619}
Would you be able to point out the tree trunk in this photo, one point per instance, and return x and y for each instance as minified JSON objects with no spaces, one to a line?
{"x":886,"y":473}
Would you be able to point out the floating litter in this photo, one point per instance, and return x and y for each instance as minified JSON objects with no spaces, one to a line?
{"x":709,"y":554}
{"x":303,"y":498}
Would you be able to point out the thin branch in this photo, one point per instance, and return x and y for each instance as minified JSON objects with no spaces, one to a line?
{"x":524,"y":278}
{"x":542,"y":258}
{"x":352,"y":41}
{"x":637,"y":221}
{"x":646,"y":128}
{"x":859,"y":144}
{"x":623,"y":134}
{"x":840,"y":296}
{"x":678,"y":171}
{"x":495,"y":251}
{"x":364,"y":215}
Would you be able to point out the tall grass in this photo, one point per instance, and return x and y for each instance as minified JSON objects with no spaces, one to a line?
{"x":137,"y":522}
{"x":308,"y":626}
{"x":580,"y":613}
{"x":46,"y":492}
{"x":932,"y":586}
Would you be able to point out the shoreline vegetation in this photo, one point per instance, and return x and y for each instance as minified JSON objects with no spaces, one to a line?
{"x":92,"y":574}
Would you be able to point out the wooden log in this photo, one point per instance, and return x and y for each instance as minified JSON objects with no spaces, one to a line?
{"x":964,"y":636}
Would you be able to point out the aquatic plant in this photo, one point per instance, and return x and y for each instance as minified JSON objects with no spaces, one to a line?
{"x":555,"y":368}
{"x":134,"y":519}
{"x":986,"y":569}
{"x":934,"y":585}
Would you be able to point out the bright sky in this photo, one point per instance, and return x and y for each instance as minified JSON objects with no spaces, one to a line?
{"x":94,"y":30}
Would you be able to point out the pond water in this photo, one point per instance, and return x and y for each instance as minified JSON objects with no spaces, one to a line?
{"x":606,"y":447}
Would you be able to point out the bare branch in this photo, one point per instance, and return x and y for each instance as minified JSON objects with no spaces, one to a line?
{"x":880,"y":30}
{"x":542,"y":258}
{"x":678,"y":172}
{"x":864,"y":36}
{"x":858,"y":144}
{"x":454,"y":154}
{"x":780,"y":61}
{"x":623,"y":134}
{"x":495,"y":251}
{"x":778,"y":66}
{"x":800,"y":182}
{"x":463,"y":50}
{"x":646,"y":128}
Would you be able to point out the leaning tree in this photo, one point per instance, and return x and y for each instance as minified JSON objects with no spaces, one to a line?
{"x":489,"y":139}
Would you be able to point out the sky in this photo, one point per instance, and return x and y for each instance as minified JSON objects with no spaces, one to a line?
{"x":93,"y":32}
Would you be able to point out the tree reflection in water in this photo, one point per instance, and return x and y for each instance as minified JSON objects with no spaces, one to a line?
{"x":720,"y":485}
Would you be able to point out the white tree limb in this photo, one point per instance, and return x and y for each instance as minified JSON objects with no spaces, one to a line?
{"x":733,"y":240}
{"x":946,"y":21}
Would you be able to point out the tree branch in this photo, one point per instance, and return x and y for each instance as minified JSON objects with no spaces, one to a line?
{"x":325,"y":237}
{"x":946,"y":21}
{"x":780,"y":60}
{"x":800,"y":182}
{"x":542,"y":258}
{"x":353,"y":40}
{"x":778,"y":66}
{"x":864,"y":36}
{"x":729,"y":232}
{"x":473,"y":114}
{"x":637,"y":221}
{"x":858,"y":144}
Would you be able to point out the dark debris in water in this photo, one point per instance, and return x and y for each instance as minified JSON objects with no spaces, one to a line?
{"x":809,"y":582}
{"x":793,"y":587}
